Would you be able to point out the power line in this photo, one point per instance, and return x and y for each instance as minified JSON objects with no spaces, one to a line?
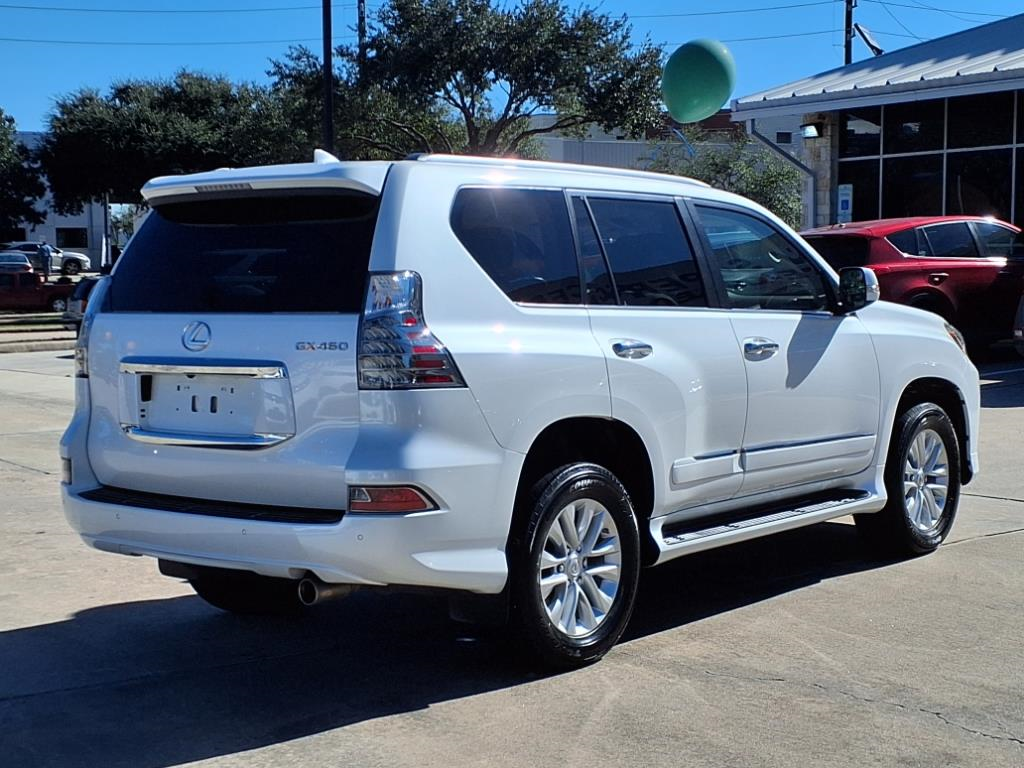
{"x":947,"y":11}
{"x":50,"y":8}
{"x":728,"y":12}
{"x":885,"y":7}
{"x":167,"y":43}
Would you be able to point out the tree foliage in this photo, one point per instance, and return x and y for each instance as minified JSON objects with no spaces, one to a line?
{"x":20,"y":183}
{"x":112,"y":144}
{"x":493,"y":67}
{"x":737,"y":165}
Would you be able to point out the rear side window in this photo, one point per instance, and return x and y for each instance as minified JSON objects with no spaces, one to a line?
{"x":522,"y":239}
{"x":951,"y":240}
{"x":841,"y":250}
{"x":999,"y":241}
{"x":651,"y":259}
{"x":294,"y":253}
{"x":906,"y":241}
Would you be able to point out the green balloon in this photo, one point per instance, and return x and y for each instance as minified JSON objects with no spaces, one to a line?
{"x":697,"y":80}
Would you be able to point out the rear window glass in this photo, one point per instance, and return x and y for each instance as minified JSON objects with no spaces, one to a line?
{"x":300,"y":253}
{"x":522,"y":239}
{"x":841,"y":250}
{"x":906,"y":241}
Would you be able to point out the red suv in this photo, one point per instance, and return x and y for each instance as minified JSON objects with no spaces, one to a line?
{"x":968,"y":269}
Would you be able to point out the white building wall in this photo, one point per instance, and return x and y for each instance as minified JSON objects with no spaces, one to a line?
{"x":90,"y":219}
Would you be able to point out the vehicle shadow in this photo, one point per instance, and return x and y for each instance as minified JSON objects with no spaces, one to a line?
{"x":164,"y":682}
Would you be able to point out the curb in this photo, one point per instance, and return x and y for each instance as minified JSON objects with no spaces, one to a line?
{"x":43,"y":345}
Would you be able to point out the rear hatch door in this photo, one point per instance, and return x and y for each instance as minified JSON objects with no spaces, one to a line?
{"x":223,"y":363}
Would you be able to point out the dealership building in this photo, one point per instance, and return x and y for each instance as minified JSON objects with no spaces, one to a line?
{"x":934,"y":128}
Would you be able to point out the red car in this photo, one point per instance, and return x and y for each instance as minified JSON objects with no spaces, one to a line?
{"x":968,"y":269}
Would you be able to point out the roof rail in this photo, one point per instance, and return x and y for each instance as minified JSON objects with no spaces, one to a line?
{"x":548,"y":165}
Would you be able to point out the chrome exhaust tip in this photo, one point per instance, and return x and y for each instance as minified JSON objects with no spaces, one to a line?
{"x":313,"y":591}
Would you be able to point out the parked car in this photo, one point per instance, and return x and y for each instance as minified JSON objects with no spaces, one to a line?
{"x":967,"y":269}
{"x":515,"y":382}
{"x":27,"y":290}
{"x":14,"y":262}
{"x":64,"y":262}
{"x":77,"y":303}
{"x":1018,"y":329}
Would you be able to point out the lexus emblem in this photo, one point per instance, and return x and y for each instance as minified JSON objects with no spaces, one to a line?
{"x":196,"y":336}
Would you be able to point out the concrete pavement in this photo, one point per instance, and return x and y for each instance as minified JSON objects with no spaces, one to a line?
{"x":789,"y":651}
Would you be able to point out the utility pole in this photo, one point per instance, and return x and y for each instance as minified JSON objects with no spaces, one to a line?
{"x":328,"y":137}
{"x":848,"y":32}
{"x":361,"y":30}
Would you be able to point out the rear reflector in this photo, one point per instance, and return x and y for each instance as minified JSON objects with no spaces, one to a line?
{"x":399,"y":498}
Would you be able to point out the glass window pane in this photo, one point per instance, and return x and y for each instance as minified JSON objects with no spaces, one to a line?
{"x":522,"y":239}
{"x":860,"y":132}
{"x":912,"y":186}
{"x":914,"y":127}
{"x":978,"y":183}
{"x":980,"y":121}
{"x":72,"y":237}
{"x":651,"y":258}
{"x":273,"y":253}
{"x":951,"y":240}
{"x":842,"y":250}
{"x":595,"y":269}
{"x":863,"y":175}
{"x":761,"y":269}
{"x":906,"y":241}
{"x":999,"y":240}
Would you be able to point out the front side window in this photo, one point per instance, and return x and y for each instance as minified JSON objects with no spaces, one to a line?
{"x":999,"y":240}
{"x":760,"y":268}
{"x":951,"y":240}
{"x":522,"y":239}
{"x":651,"y":259}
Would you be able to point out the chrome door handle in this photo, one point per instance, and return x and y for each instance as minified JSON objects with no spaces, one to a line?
{"x":631,"y":349}
{"x":938,"y":278}
{"x":758,"y":348}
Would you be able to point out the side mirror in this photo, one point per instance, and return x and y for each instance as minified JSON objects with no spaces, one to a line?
{"x":858,"y":287}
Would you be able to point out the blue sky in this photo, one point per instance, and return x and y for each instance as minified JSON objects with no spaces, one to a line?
{"x":37,"y":68}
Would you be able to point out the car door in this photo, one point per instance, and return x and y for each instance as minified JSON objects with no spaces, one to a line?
{"x":675,"y":373}
{"x":1004,"y":247}
{"x":812,"y":375}
{"x":955,"y":264}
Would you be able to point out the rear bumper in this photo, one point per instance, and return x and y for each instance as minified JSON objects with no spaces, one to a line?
{"x":428,"y":549}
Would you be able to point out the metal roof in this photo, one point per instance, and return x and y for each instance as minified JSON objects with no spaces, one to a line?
{"x":978,"y":60}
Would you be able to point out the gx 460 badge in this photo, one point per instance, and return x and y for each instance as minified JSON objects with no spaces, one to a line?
{"x":327,"y":346}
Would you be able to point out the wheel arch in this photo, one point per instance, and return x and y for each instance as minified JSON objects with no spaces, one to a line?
{"x":608,"y":442}
{"x":931,"y":300}
{"x":947,"y":396}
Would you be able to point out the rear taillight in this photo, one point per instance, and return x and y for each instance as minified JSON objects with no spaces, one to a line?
{"x":82,"y":344}
{"x":396,"y":348}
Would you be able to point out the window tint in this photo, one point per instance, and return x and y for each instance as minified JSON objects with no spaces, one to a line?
{"x":951,"y":240}
{"x":595,"y":269}
{"x":72,"y":237}
{"x":916,"y":126}
{"x":912,"y":186}
{"x":862,"y":175}
{"x":842,"y":250}
{"x":978,"y":183}
{"x":650,"y":257}
{"x":860,"y":132}
{"x":906,"y":241}
{"x":761,"y":269}
{"x":522,"y":239}
{"x":999,"y":241}
{"x":300,"y":253}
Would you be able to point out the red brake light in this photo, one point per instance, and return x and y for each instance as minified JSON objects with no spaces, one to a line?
{"x":399,"y":498}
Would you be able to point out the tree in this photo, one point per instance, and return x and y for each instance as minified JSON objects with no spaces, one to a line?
{"x":112,"y":144}
{"x":737,"y":165}
{"x":21,"y":185}
{"x":495,"y":67}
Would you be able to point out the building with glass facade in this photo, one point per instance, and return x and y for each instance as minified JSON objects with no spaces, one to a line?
{"x":935,"y":128}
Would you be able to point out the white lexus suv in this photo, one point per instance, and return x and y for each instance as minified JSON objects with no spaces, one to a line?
{"x":517,"y":382}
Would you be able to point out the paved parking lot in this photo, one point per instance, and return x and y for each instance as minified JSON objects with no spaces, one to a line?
{"x":788,"y":651}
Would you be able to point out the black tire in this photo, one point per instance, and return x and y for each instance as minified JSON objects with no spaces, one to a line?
{"x":248,"y":593}
{"x":70,"y":268}
{"x":549,"y":497}
{"x":893,"y":531}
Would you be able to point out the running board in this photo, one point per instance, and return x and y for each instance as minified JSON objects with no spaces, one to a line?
{"x":677,"y":539}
